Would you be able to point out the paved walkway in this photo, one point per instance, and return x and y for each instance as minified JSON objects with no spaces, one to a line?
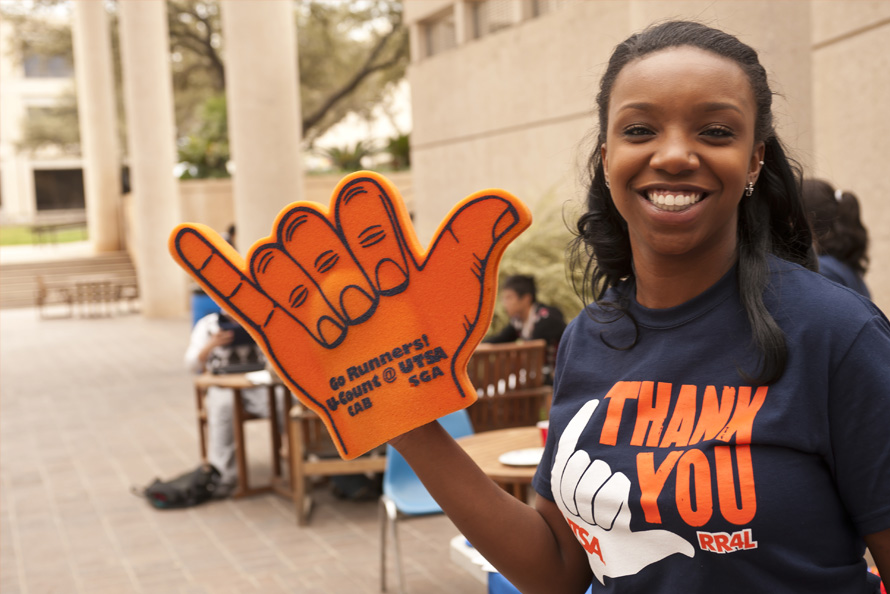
{"x":16,"y":254}
{"x":91,"y":407}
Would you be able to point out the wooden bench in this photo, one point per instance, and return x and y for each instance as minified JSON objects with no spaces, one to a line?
{"x":91,"y":295}
{"x":509,"y":380}
{"x":48,"y":232}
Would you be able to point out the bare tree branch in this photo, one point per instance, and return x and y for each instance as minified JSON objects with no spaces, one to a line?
{"x":367,"y":69}
{"x":204,"y":47}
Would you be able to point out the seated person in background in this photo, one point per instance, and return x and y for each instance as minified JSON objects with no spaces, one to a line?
{"x":214,"y":345}
{"x":529,"y":320}
{"x":840,"y":239}
{"x":229,"y":235}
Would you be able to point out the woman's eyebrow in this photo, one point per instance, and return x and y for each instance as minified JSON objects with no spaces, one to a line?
{"x":720,"y":106}
{"x":708,"y":106}
{"x":640,"y":105}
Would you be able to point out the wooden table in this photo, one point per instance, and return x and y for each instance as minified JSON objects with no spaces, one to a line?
{"x":238,"y":382}
{"x":485,"y":448}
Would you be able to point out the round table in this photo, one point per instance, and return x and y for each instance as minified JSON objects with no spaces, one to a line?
{"x":485,"y":448}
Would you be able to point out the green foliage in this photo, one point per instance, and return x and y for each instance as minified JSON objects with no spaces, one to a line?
{"x":541,"y":252}
{"x":52,"y":126}
{"x":350,"y":53}
{"x":40,"y":32}
{"x":399,"y":149}
{"x":206,"y":151}
{"x":348,"y":159}
{"x":196,"y":59}
{"x":37,"y":29}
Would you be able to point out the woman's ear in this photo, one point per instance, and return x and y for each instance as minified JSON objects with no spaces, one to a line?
{"x":756,"y":162}
{"x":605,"y":162}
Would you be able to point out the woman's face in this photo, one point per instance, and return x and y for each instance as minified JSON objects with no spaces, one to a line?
{"x":679,"y":151}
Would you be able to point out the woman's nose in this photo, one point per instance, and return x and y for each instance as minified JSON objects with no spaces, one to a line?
{"x":674,"y":154}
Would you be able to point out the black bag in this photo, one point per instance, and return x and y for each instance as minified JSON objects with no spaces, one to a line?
{"x":187,"y":490}
{"x":357,"y":487}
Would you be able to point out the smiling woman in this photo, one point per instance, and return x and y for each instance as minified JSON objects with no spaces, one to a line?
{"x":720,"y":410}
{"x":713,"y":135}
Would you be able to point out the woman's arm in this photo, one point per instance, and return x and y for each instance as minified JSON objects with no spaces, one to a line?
{"x":879,"y":546}
{"x":533,"y":547}
{"x":507,"y":334}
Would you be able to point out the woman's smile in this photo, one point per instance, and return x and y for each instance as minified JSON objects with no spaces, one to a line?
{"x":673,"y":200}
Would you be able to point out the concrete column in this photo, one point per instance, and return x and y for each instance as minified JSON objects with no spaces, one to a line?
{"x":523,"y":10}
{"x":148,"y":91}
{"x":417,"y":39}
{"x":463,"y":22}
{"x":97,"y":114}
{"x":263,"y":100}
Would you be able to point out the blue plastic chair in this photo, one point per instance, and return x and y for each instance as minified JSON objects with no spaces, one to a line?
{"x":498,"y":584}
{"x":202,"y":305}
{"x":405,"y":496}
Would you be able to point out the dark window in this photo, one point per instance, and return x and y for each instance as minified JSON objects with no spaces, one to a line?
{"x":59,"y":189}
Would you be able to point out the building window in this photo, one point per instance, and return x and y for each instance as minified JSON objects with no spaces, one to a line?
{"x":490,"y":16}
{"x":440,"y":34}
{"x":43,"y":66}
{"x":540,"y":7}
{"x":59,"y":189}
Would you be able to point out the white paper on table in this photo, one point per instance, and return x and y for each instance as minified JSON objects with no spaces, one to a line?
{"x":259,"y":378}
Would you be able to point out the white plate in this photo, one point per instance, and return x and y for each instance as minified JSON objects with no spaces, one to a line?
{"x":259,"y":378}
{"x":526,"y":457}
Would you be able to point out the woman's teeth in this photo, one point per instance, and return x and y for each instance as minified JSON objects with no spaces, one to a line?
{"x":673,"y":201}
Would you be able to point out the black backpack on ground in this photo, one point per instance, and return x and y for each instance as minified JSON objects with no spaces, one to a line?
{"x":186,"y":490}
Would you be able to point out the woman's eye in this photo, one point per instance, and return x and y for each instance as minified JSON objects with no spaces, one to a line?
{"x":719,"y":132}
{"x":637,"y":131}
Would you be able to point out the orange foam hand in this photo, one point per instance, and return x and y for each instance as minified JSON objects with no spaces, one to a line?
{"x":365,"y":327}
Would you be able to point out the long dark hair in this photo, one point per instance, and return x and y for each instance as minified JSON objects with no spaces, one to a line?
{"x":771,"y":221}
{"x":837,"y":226}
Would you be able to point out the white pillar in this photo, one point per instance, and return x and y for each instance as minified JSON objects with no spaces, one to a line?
{"x":463,"y":22}
{"x":263,"y":99}
{"x":148,"y":90}
{"x":97,"y":114}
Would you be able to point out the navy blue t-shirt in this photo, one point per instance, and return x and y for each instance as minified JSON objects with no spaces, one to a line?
{"x":677,"y":475}
{"x":831,"y":267}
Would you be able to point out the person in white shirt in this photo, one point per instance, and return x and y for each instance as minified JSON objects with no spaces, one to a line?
{"x":211,"y":346}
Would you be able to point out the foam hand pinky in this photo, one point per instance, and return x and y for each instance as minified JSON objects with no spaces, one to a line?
{"x":366,"y":328}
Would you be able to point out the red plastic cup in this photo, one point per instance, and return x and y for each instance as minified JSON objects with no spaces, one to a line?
{"x":544,"y":426}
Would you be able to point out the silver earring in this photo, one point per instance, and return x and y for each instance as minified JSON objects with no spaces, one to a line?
{"x":608,"y":187}
{"x":749,"y":189}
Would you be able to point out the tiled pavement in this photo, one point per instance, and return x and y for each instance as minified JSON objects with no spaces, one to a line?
{"x":90,"y":408}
